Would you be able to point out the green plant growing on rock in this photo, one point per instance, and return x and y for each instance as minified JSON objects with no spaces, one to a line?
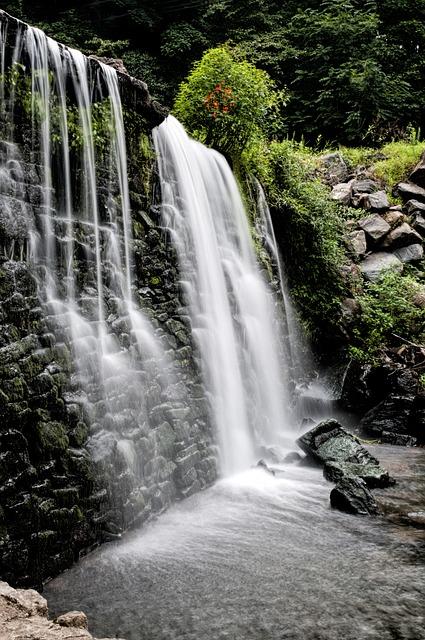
{"x":387,"y":309}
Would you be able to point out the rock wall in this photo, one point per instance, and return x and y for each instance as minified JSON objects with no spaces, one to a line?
{"x":67,"y":480}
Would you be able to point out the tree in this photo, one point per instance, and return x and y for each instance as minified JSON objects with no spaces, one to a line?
{"x":226,"y":101}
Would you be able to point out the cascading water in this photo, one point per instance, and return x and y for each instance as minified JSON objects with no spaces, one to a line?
{"x":313,"y":399}
{"x":78,"y":222}
{"x":233,"y":312}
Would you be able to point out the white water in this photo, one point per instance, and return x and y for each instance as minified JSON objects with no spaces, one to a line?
{"x":82,"y":296}
{"x":233,"y":312}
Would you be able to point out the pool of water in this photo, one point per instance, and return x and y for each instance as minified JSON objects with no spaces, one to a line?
{"x":263,"y":558}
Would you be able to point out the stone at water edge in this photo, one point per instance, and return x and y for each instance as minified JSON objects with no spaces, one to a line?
{"x":262,"y":464}
{"x":352,"y":495}
{"x":329,"y":441}
{"x":75,"y":619}
{"x":342,"y":454}
{"x":292,"y":457}
{"x":373,"y":475}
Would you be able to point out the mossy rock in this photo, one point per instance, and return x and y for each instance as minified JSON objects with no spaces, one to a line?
{"x":52,"y":436}
{"x":79,"y":434}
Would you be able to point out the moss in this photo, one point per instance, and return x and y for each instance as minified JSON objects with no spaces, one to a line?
{"x":155,"y":281}
{"x":16,"y":389}
{"x":52,"y":436}
{"x":79,"y":434}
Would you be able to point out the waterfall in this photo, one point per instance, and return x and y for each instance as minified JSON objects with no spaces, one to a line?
{"x":78,"y":220}
{"x":232,"y":309}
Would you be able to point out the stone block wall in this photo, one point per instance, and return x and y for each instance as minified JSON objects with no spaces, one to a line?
{"x":67,"y":480}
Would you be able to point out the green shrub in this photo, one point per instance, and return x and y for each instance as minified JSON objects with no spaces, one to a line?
{"x":387,"y":308}
{"x":226,"y":102}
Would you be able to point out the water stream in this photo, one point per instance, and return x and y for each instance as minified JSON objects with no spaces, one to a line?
{"x":260,"y":558}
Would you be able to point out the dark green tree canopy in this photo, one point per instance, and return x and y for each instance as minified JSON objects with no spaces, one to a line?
{"x":355,"y":69}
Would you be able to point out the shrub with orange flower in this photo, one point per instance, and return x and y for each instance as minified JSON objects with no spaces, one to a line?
{"x":220,"y":101}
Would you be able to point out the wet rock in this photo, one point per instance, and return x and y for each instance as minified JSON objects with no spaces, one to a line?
{"x":262,"y":464}
{"x":373,"y":475}
{"x":374,"y":226}
{"x":373,"y":266}
{"x":413,"y":253}
{"x":352,"y":495}
{"x":292,"y":457}
{"x":401,"y":236}
{"x":410,"y":191}
{"x":350,"y":308}
{"x":328,"y":441}
{"x":398,"y":439}
{"x":358,"y":242}
{"x":391,"y":415}
{"x":342,"y":193}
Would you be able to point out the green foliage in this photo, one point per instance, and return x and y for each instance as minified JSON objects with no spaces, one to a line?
{"x":106,"y":48}
{"x":225,"y":102}
{"x":309,"y":225}
{"x":387,"y":308}
{"x":401,"y":157}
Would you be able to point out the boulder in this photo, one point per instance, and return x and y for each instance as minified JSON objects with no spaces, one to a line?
{"x":401,"y":236}
{"x":291,"y":457}
{"x":410,"y":191}
{"x":328,"y":441}
{"x":413,"y":206}
{"x":418,"y":223}
{"x":74,"y":619}
{"x":410,"y":254}
{"x":364,"y":186}
{"x":391,"y":415}
{"x":373,"y":266}
{"x":335,"y":167}
{"x":418,"y":174}
{"x":358,"y":242}
{"x":393,"y":217}
{"x":375,"y":201}
{"x":374,"y":475}
{"x":398,"y":439}
{"x":374,"y":226}
{"x":353,"y":496}
{"x":342,"y":193}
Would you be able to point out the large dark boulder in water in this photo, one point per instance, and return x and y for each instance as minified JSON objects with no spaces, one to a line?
{"x":342,"y":454}
{"x":329,"y":441}
{"x":391,"y":416}
{"x":353,"y":496}
{"x":373,"y":475}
